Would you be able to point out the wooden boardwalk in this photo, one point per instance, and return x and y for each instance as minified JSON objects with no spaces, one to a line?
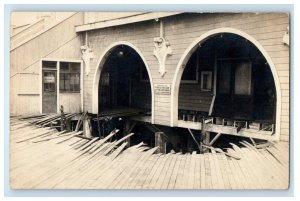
{"x":42,"y":158}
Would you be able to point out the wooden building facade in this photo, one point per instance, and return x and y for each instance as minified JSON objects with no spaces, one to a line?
{"x":179,"y":67}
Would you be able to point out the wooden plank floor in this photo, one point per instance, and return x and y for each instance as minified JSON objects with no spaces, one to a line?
{"x":42,"y":158}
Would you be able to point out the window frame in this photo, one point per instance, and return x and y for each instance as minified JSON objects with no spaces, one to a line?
{"x":194,"y":81}
{"x":58,"y":61}
{"x":69,"y":73}
{"x":209,"y":73}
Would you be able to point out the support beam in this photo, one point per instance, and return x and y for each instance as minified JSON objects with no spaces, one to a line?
{"x":253,"y":142}
{"x":194,"y":138}
{"x":152,"y":128}
{"x":214,"y":139}
{"x":80,"y":121}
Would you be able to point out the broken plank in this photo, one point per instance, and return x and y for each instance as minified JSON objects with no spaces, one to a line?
{"x":89,"y":143}
{"x":117,"y":143}
{"x":227,"y":154}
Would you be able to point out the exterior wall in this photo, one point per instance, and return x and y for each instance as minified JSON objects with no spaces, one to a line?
{"x":70,"y":101}
{"x":181,"y":31}
{"x":91,"y":17}
{"x":58,"y":42}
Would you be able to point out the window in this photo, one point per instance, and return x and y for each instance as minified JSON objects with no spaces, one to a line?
{"x":49,"y":64}
{"x":69,"y":79}
{"x":49,"y":81}
{"x":190,"y":73}
{"x":206,"y":81}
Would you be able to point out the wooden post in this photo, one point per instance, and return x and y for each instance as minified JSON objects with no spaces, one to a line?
{"x":205,"y":141}
{"x":128,"y":127}
{"x":194,"y":138}
{"x":64,"y":123}
{"x":98,"y":124}
{"x":87,"y":126}
{"x":160,"y":142}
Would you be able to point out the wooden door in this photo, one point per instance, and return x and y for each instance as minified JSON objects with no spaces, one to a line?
{"x":49,"y":99}
{"x":234,"y":90}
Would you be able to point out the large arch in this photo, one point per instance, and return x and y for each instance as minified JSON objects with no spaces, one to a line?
{"x":99,"y":68}
{"x":187,"y":54}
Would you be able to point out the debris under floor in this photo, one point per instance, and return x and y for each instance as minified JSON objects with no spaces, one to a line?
{"x":43,"y":158}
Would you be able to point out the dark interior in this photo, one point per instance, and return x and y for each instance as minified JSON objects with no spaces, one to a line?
{"x":124,"y":81}
{"x":245,"y":86}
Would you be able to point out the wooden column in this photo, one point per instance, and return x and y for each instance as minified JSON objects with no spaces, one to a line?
{"x":87,"y":126}
{"x":128,"y":127}
{"x":205,"y":141}
{"x":160,"y":142}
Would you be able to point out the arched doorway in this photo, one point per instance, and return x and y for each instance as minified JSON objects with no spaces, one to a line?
{"x":122,"y":80}
{"x":226,"y":73}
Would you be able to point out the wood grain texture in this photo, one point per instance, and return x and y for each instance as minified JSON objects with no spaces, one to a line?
{"x":62,"y":162}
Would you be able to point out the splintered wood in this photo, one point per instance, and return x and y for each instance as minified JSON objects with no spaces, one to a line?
{"x":43,"y":158}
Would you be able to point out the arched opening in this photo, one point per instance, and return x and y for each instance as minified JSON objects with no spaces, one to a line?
{"x":227,"y":74}
{"x":124,"y":82}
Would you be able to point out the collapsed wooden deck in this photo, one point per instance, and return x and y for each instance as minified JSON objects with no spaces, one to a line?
{"x":43,"y":158}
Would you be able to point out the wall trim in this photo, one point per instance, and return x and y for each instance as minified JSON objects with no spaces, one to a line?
{"x":99,"y":67}
{"x":194,"y":45}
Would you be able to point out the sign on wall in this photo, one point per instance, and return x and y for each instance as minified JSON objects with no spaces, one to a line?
{"x":162,"y":89}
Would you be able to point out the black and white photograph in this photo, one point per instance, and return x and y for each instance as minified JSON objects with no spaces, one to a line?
{"x":149,"y":100}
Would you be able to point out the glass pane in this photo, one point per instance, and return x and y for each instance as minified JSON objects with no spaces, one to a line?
{"x":49,"y":81}
{"x":62,"y":82}
{"x":64,"y":67}
{"x":70,"y":77}
{"x":74,"y":67}
{"x":74,"y":82}
{"x":67,"y":82}
{"x":49,"y":64}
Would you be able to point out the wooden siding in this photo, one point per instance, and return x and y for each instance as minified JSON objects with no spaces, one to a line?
{"x":181,"y":30}
{"x":28,"y":104}
{"x":191,"y":98}
{"x":59,"y":42}
{"x":26,"y":84}
{"x":70,"y":102}
{"x":91,"y":17}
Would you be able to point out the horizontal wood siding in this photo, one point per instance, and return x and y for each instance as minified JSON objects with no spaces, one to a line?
{"x":181,"y":30}
{"x":191,"y":98}
{"x":59,"y":42}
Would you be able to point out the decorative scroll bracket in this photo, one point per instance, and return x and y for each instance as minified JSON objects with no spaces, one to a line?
{"x":87,"y":55}
{"x":286,"y":37}
{"x":161,"y":51}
